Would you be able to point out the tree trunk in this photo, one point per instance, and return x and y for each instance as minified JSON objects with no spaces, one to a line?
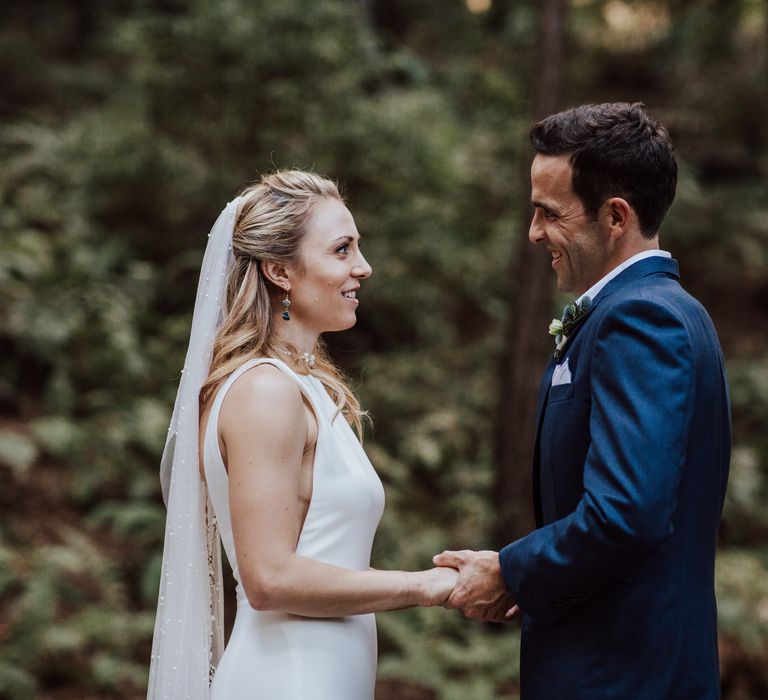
{"x":528,"y":344}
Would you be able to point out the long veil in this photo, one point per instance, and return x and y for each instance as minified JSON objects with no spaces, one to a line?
{"x":189,"y":635}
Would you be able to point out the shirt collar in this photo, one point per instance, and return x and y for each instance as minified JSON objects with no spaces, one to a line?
{"x":594,"y":290}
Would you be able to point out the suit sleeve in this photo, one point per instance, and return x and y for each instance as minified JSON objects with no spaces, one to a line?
{"x":641,"y":386}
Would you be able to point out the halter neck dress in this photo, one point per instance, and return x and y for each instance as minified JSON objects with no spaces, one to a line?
{"x":274,"y":655}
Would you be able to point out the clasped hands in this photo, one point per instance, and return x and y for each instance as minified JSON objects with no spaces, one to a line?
{"x":479,"y":592}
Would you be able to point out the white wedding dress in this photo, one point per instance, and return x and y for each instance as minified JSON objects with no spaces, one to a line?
{"x":279,"y":656}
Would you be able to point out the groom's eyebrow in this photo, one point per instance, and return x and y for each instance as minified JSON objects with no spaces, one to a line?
{"x":541,"y":205}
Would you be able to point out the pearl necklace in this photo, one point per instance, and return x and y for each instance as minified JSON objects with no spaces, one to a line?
{"x":305,"y":358}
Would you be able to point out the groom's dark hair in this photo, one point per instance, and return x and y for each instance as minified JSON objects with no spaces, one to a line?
{"x":616,"y":150}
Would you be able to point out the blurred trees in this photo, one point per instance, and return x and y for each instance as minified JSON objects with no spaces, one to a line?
{"x":126,"y":126}
{"x":525,"y":353}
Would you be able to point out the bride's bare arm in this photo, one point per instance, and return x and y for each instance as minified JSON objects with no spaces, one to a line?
{"x":265,"y":429}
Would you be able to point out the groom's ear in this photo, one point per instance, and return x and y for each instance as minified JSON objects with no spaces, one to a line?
{"x":618,"y":215}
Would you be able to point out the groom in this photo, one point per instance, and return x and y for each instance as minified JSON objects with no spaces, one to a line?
{"x":616,"y":584}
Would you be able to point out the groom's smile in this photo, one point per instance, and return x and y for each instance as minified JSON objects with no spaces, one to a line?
{"x":560,"y":223}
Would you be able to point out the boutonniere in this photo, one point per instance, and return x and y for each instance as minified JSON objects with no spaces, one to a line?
{"x":573,"y":314}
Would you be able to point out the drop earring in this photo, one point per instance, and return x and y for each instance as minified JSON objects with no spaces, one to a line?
{"x":286,"y":303}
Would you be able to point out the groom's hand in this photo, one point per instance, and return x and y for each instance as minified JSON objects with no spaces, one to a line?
{"x":480,"y":591}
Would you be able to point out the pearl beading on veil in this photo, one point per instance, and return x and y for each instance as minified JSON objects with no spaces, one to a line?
{"x":188,"y":638}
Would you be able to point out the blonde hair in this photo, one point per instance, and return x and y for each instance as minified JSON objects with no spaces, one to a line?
{"x":269,"y":226}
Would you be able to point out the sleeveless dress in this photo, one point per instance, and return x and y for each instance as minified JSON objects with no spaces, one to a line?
{"x":278,"y":656}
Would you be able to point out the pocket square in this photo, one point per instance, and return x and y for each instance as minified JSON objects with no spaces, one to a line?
{"x":562,"y":374}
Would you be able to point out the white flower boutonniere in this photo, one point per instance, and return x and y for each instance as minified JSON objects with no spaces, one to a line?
{"x":556,"y":327}
{"x":573,"y":315}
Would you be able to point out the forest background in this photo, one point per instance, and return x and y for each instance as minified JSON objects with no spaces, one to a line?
{"x":125,"y":127}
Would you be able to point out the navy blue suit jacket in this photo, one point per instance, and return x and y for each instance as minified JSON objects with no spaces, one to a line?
{"x":630,"y":470}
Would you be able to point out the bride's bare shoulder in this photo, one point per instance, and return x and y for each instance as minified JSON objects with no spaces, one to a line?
{"x":263,"y":391}
{"x":264,"y":414}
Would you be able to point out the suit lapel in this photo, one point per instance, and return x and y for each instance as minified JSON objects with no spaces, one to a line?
{"x":643,"y":268}
{"x":546,"y":380}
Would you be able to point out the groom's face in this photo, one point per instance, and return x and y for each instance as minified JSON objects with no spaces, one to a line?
{"x":560,"y":223}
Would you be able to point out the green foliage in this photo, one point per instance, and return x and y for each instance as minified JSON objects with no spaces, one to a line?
{"x":742,"y":590}
{"x":745,"y":518}
{"x":17,"y":451}
{"x":69,"y":619}
{"x":128,"y":127}
{"x":443,"y":654}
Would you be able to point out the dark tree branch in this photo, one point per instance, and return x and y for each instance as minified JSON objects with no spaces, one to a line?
{"x":528,"y":344}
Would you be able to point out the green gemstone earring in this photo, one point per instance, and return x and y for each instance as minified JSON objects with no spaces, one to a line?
{"x":286,"y":303}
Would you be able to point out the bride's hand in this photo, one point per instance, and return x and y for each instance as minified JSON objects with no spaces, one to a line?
{"x":435,"y":585}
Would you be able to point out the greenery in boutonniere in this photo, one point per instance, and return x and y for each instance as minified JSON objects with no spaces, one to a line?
{"x":573,"y":314}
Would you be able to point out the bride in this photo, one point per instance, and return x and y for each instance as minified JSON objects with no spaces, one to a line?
{"x":260,"y":454}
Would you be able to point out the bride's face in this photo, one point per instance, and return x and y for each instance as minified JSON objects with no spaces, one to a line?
{"x":331,"y":266}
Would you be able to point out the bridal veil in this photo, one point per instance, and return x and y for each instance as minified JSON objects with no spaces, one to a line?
{"x":189,"y":636}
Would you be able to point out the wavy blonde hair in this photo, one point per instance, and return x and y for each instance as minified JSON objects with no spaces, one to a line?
{"x":269,"y":226}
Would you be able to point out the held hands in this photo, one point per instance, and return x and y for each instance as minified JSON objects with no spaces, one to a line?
{"x":435,"y":585}
{"x":480,"y":591}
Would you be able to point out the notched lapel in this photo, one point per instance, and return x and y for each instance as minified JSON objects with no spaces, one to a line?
{"x":546,"y":380}
{"x":649,"y":266}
